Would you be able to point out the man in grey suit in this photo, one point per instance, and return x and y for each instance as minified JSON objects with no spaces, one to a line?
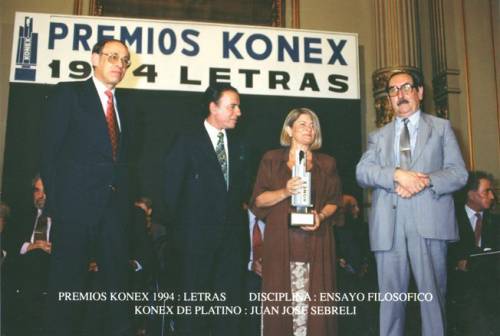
{"x":413,"y":165}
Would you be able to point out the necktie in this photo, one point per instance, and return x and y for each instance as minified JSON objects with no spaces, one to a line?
{"x":256,"y":241}
{"x":40,"y":228}
{"x":478,"y":228}
{"x":404,"y":146}
{"x":221,"y":155}
{"x":112,"y":126}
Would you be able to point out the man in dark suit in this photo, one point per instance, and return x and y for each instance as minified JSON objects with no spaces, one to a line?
{"x":413,"y":165}
{"x":33,"y":249}
{"x":86,"y":137}
{"x":204,"y":195}
{"x":35,"y":230}
{"x":474,"y":277}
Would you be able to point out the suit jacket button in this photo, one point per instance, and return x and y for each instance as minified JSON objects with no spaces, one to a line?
{"x":112,"y":187}
{"x":394,"y":207}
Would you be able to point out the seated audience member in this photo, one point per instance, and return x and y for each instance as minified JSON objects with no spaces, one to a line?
{"x":36,"y":246}
{"x":38,"y":232}
{"x":474,"y":280}
{"x":33,"y":248}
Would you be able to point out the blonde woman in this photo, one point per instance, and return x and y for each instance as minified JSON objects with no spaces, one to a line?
{"x":297,"y":261}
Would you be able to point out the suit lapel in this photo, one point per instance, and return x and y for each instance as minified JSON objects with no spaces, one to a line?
{"x":233,"y":158}
{"x":120,"y":113}
{"x":423,"y":135}
{"x":388,"y":141}
{"x":488,"y":234}
{"x":206,"y":147}
{"x":466,"y":224}
{"x":208,"y":153}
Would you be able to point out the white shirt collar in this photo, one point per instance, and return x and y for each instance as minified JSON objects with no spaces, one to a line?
{"x":101,"y":88}
{"x":103,"y":98}
{"x":413,"y":119}
{"x":213,"y":133}
{"x":472,"y":213}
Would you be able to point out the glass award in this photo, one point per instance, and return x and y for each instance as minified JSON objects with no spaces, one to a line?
{"x":41,"y":228}
{"x":301,"y":202}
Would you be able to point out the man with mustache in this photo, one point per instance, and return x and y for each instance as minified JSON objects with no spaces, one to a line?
{"x":204,"y":193}
{"x":86,"y":136}
{"x":413,"y":165}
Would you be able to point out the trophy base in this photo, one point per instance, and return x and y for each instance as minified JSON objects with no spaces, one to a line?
{"x":301,"y":218}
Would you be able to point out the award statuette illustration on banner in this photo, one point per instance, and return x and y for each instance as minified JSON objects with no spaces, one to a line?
{"x":301,"y":202}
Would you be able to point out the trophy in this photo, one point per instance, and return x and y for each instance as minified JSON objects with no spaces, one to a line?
{"x":40,"y":232}
{"x":301,"y":202}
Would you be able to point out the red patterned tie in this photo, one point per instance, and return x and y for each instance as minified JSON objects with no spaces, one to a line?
{"x":478,"y":229}
{"x":256,"y":241}
{"x":112,"y":126}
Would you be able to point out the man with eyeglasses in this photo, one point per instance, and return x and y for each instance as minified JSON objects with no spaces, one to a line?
{"x":413,"y":165}
{"x":86,"y":136}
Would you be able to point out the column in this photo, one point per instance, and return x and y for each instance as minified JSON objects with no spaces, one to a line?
{"x":398,"y":48}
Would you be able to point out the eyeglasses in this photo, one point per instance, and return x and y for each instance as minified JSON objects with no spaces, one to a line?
{"x":114,"y":58}
{"x":393,"y":91}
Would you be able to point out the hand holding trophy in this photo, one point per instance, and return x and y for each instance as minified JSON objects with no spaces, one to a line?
{"x":301,"y":201}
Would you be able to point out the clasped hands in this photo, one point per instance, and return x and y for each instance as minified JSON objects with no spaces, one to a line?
{"x":409,"y":183}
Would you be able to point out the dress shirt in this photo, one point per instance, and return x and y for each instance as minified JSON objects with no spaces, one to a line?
{"x":471,"y":214}
{"x":24,"y":247}
{"x":214,"y":138}
{"x":262,"y":226}
{"x":412,"y":128}
{"x":101,"y":89}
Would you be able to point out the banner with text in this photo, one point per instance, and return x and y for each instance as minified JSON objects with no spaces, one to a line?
{"x":188,"y":56}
